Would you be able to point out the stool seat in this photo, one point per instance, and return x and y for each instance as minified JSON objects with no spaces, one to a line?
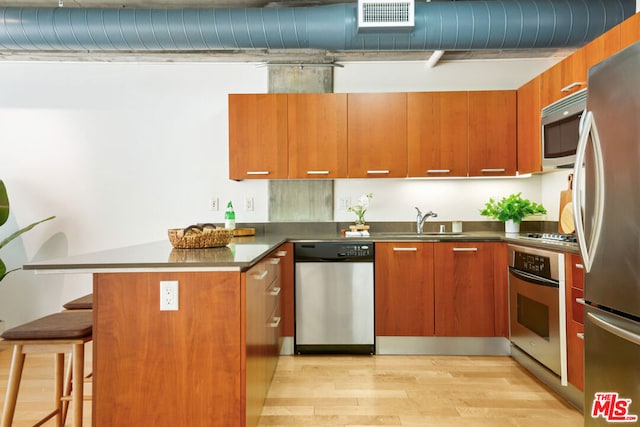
{"x":68,"y":325}
{"x":58,"y":333}
{"x":82,"y":303}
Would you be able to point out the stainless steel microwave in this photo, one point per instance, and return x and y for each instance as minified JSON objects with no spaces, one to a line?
{"x":561,"y":131}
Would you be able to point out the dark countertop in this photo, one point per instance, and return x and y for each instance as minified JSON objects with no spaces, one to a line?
{"x":244,"y":252}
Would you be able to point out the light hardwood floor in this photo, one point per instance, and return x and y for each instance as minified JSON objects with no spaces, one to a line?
{"x":364,"y":390}
{"x":411,"y":391}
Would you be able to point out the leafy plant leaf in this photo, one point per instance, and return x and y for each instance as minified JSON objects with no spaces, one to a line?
{"x":4,"y":203}
{"x":23,"y":230}
{"x":513,"y":207}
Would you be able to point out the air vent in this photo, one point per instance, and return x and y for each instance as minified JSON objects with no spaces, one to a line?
{"x":379,"y":15}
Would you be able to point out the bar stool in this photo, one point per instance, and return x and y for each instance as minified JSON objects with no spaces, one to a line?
{"x":82,"y":303}
{"x":57,"y":333}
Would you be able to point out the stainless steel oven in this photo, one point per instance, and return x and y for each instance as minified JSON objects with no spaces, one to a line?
{"x":536,"y":306}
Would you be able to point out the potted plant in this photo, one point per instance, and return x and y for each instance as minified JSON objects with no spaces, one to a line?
{"x":4,"y":215}
{"x":511,"y":210}
{"x":361,"y":207}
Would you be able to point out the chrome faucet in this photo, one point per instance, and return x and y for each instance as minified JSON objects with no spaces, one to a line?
{"x":421,"y":219}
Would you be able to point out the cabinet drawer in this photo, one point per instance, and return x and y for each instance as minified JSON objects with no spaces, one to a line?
{"x":577,"y":309}
{"x":577,"y":273}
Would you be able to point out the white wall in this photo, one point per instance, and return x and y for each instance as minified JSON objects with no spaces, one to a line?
{"x":122,"y":151}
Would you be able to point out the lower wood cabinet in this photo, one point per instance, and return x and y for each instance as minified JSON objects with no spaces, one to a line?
{"x":464,"y":289}
{"x":447,"y":289}
{"x":209,"y":363}
{"x":574,"y":276}
{"x":404,"y":289}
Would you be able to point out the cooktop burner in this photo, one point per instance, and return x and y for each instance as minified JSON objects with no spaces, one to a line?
{"x":558,"y":237}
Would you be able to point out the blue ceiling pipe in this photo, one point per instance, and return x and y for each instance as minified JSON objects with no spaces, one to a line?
{"x":456,"y":25}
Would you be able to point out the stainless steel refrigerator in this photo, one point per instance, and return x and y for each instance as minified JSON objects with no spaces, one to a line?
{"x":607,"y":211}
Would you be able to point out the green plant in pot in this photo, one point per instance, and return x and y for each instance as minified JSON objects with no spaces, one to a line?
{"x":512,"y":210}
{"x":4,"y":215}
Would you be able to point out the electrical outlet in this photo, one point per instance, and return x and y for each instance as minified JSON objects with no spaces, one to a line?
{"x":169,"y":295}
{"x":248,"y":204}
{"x":214,"y":204}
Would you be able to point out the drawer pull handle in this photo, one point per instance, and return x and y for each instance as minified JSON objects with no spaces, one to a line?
{"x":281,"y":253}
{"x":275,"y":323}
{"x":379,"y":172}
{"x":317,"y":172}
{"x":405,"y":249}
{"x":274,"y":261}
{"x":276,"y":291}
{"x":580,"y":335}
{"x":571,"y":86}
{"x":257,"y":172}
{"x":262,"y":275}
{"x":465,"y":249}
{"x":580,"y":266}
{"x":489,"y":170}
{"x":438,"y":170}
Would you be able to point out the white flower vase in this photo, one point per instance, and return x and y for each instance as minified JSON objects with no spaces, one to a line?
{"x":511,"y":227}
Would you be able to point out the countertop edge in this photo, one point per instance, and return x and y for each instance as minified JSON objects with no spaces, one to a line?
{"x":262,"y":246}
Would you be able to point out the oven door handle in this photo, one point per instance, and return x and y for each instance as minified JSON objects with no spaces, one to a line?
{"x":531,"y":278}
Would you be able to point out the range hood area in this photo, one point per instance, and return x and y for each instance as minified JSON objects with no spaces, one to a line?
{"x":455,"y":25}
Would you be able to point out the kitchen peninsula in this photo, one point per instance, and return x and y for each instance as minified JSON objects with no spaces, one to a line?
{"x":208,"y":363}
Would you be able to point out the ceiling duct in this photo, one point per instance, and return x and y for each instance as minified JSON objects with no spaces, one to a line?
{"x":456,"y":25}
{"x":389,"y":15}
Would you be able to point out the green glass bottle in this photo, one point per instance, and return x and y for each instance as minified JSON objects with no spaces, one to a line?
{"x":230,"y":217}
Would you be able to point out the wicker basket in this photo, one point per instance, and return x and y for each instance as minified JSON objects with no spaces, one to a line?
{"x":197,"y":237}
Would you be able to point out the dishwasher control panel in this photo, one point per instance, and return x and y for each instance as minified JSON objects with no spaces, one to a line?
{"x":333,"y":252}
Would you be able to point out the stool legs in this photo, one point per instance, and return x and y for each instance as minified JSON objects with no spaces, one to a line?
{"x":77,"y":394}
{"x":17,"y":363}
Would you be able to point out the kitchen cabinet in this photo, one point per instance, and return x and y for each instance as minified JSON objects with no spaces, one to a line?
{"x":437,"y":133}
{"x":529,"y":157}
{"x":571,"y":74}
{"x":286,"y":276}
{"x":464,"y":289}
{"x":630,"y":31}
{"x":262,"y":288}
{"x":492,"y":133}
{"x":600,"y":49}
{"x":317,"y":126}
{"x":574,"y":288}
{"x":377,"y":135}
{"x":404,"y":299}
{"x":220,"y":346}
{"x":258,"y":136}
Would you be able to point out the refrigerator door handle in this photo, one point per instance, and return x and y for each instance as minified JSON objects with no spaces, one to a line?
{"x":615,"y":330}
{"x":588,"y":249}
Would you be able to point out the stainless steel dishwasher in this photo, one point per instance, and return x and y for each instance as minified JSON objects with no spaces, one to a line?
{"x":334,"y":291}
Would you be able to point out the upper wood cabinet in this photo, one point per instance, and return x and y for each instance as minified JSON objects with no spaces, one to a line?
{"x":492,"y":133}
{"x":600,"y":49}
{"x":571,"y":74}
{"x":437,"y":133}
{"x":377,"y":135}
{"x":404,"y":289}
{"x":464,"y":289}
{"x":529,"y":132}
{"x":317,"y":135}
{"x":630,"y":31}
{"x":258,"y":136}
